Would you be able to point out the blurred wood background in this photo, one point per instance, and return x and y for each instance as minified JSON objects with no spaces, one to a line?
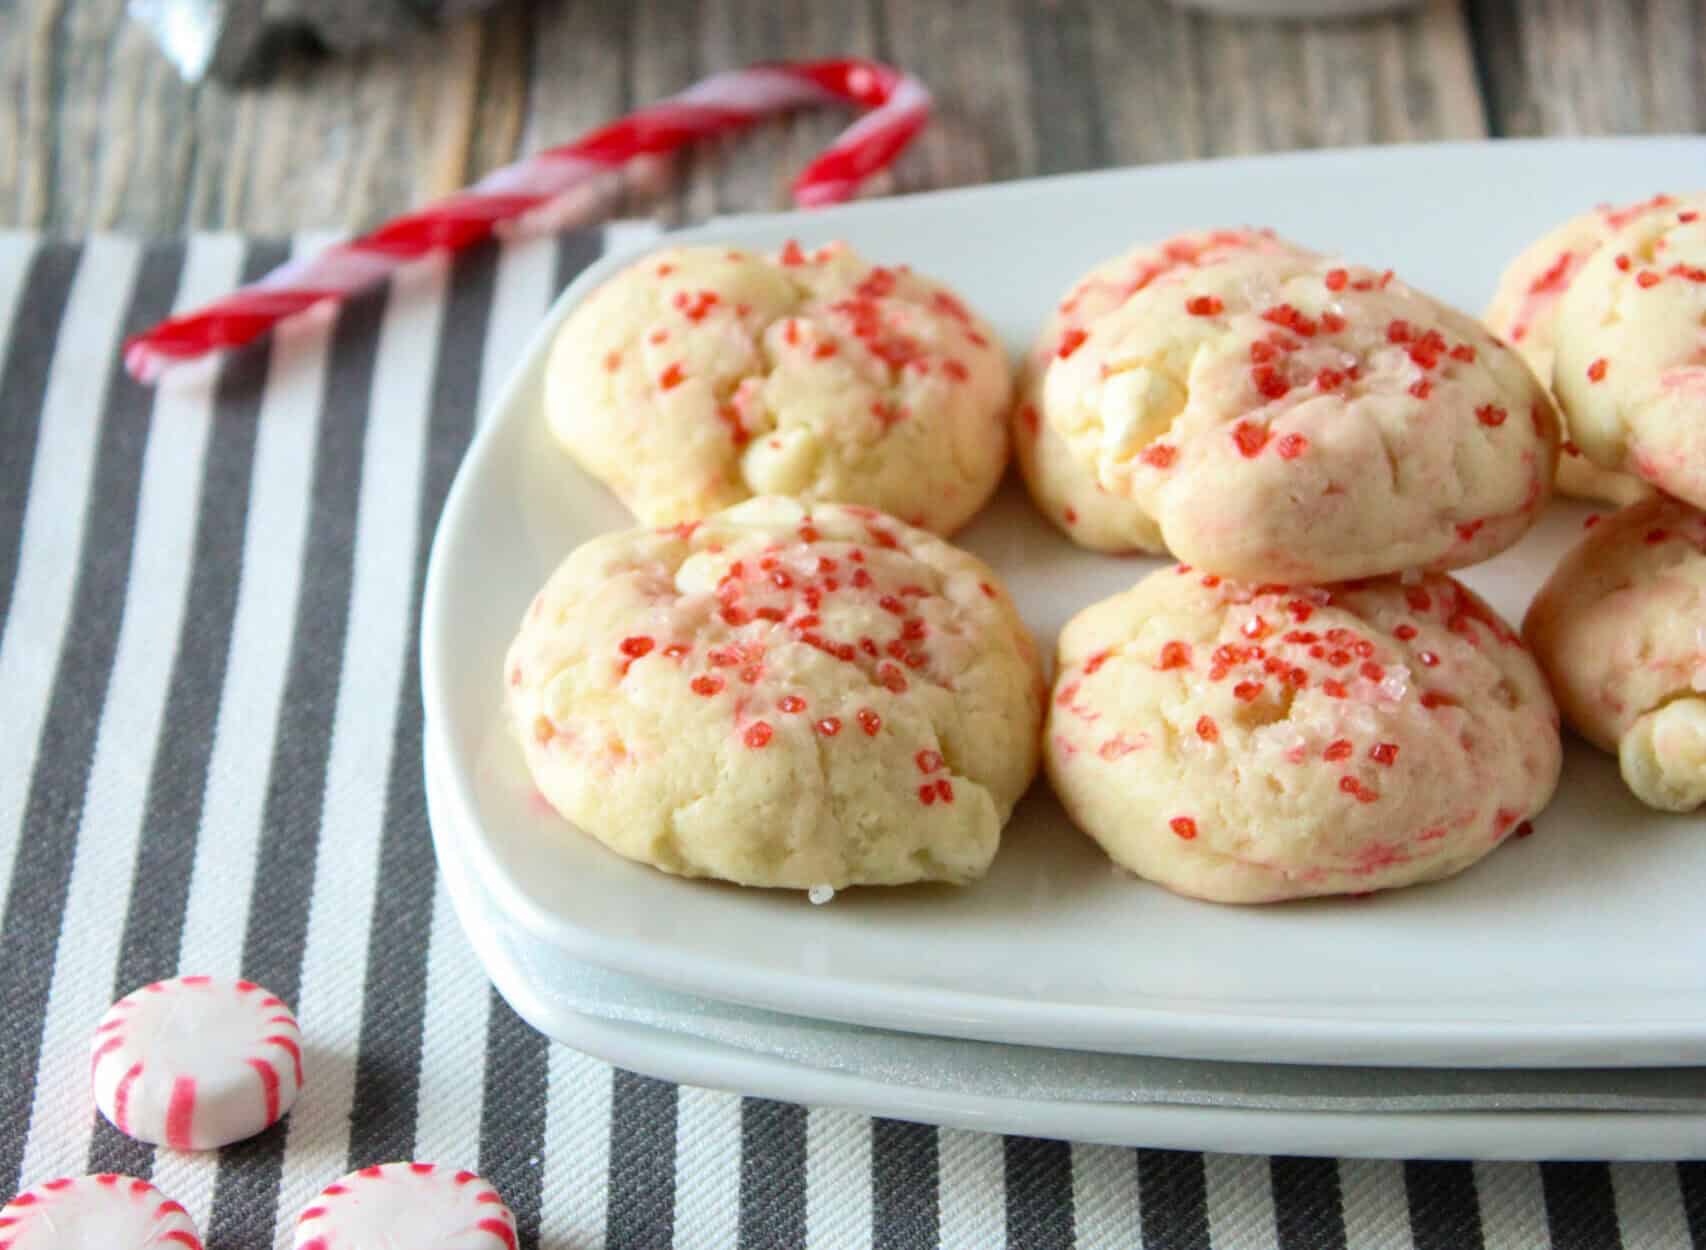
{"x":97,"y":131}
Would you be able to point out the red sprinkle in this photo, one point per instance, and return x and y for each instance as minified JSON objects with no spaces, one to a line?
{"x":1463,"y":352}
{"x":1339,"y":750}
{"x":1372,"y":671}
{"x":1070,"y":342}
{"x":706,"y":684}
{"x":1329,"y":380}
{"x":1383,"y":753}
{"x":1351,"y":786}
{"x":1269,"y":382}
{"x":1250,"y":439}
{"x":1421,"y":388}
{"x":869,"y":721}
{"x":927,"y":794}
{"x":1158,"y":455}
{"x":1490,"y":415}
{"x":1622,"y":262}
{"x":928,"y":761}
{"x":1647,"y":279}
{"x":791,"y":253}
{"x":1287,"y":316}
{"x":1332,"y":323}
{"x":1292,"y":446}
{"x":636,"y":647}
{"x":1207,"y":730}
{"x":1336,"y":279}
{"x":1246,"y":691}
{"x":791,"y":703}
{"x":671,"y":377}
{"x":1428,"y":659}
{"x":1184,"y":826}
{"x":1333,"y":688}
{"x":758,"y":734}
{"x":1174,"y":655}
{"x":1204,"y":306}
{"x":1596,"y":371}
{"x":1404,"y":632}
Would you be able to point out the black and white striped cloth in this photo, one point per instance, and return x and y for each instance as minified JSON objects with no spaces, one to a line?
{"x":210,"y":710}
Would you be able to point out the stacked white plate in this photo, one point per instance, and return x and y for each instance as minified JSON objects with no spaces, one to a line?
{"x":1550,"y":1002}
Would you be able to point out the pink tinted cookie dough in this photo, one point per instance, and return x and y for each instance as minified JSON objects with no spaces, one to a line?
{"x":1620,"y":628}
{"x":1523,"y":312}
{"x":1248,"y":744}
{"x":699,"y":377}
{"x":1630,"y":368}
{"x":782,"y":695}
{"x":1276,"y":415}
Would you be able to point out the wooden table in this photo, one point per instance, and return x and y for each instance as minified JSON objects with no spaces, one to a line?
{"x":96,"y":130}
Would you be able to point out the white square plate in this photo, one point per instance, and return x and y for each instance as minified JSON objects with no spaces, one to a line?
{"x":1581,"y":946}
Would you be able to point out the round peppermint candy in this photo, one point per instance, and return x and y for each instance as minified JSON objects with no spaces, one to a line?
{"x":420,"y":1205}
{"x":197,"y":1062}
{"x":105,"y":1212}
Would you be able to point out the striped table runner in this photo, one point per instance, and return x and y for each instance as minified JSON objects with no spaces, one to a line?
{"x":209,"y":598}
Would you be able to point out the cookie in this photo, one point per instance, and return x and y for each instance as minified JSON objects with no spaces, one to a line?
{"x":1249,"y":744}
{"x":1064,"y":486}
{"x":782,"y":695}
{"x":702,"y":376}
{"x":1620,"y":629}
{"x":1277,"y":415}
{"x":1630,"y":368}
{"x":1523,"y":313}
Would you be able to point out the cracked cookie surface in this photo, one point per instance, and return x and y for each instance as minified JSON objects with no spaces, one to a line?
{"x":699,"y":377}
{"x":1620,"y":629}
{"x":1270,"y":413}
{"x":1524,"y":313}
{"x":782,"y":695}
{"x":1249,"y":744}
{"x":1630,"y":334}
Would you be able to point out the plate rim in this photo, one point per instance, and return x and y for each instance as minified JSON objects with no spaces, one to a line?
{"x":1651,"y":1136}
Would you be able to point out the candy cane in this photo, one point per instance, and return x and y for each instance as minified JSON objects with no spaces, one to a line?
{"x":720,"y":104}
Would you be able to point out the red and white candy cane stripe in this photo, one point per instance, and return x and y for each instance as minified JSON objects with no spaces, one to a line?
{"x":105,"y":1212}
{"x":196,"y":1062}
{"x":725,"y":102}
{"x":407,"y":1204}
